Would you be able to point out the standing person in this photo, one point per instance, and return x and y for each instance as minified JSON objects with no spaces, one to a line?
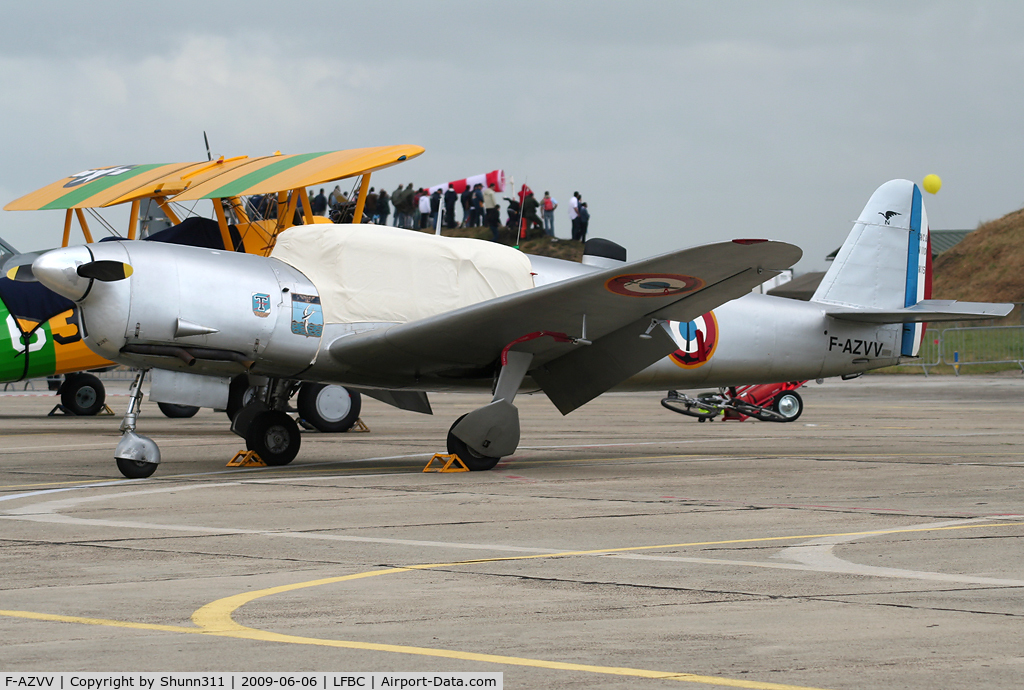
{"x":370,"y":205}
{"x":435,"y":208}
{"x":530,"y":206}
{"x":584,"y":221}
{"x":422,"y":212}
{"x":574,"y":214}
{"x":464,"y":199}
{"x":548,"y":206}
{"x":476,"y":206}
{"x":319,"y":204}
{"x":397,"y":200}
{"x":450,"y":199}
{"x":492,"y":212}
{"x":382,"y":207}
{"x":409,"y":206}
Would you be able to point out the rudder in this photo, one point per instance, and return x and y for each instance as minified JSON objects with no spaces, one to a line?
{"x":885,"y":262}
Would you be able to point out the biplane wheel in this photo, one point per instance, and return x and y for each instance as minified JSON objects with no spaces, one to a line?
{"x":473,"y":460}
{"x":177,"y":411}
{"x":83,"y":394}
{"x":331,"y":409}
{"x":789,"y":404}
{"x":135,"y":469}
{"x":274,"y":436}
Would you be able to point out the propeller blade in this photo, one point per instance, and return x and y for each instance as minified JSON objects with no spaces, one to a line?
{"x":107,"y":271}
{"x":22,"y":273}
{"x":19,"y":267}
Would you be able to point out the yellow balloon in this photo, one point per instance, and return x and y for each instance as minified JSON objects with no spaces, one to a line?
{"x":932,"y":183}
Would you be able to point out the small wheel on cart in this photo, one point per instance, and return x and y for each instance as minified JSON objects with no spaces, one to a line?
{"x":788,"y":405}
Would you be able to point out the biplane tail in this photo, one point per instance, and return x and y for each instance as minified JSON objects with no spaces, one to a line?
{"x":885,"y":265}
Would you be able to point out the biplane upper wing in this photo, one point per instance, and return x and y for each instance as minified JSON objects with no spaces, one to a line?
{"x":617,"y":306}
{"x":96,"y":187}
{"x":279,"y":173}
{"x":117,"y":184}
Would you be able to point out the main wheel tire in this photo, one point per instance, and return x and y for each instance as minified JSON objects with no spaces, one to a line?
{"x":274,"y":436}
{"x":83,"y":394}
{"x":789,"y":404}
{"x":329,"y":408}
{"x":134,"y":469}
{"x":473,"y":460}
{"x":239,"y":393}
{"x":177,"y":411}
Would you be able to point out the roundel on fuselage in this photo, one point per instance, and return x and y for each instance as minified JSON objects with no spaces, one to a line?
{"x":696,"y":339}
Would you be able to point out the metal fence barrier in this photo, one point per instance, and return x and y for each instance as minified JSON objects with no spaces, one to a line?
{"x":985,"y":345}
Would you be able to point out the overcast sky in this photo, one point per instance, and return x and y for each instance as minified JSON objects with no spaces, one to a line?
{"x":680,"y":123}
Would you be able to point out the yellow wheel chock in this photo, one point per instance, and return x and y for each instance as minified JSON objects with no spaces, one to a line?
{"x":448,"y":461}
{"x":358,"y":427}
{"x":246,"y":458}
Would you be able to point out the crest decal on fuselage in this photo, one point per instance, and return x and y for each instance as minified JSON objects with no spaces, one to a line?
{"x":307,"y":315}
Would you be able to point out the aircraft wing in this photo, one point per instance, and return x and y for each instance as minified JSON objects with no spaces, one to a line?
{"x":219,"y":178}
{"x":929,"y":310}
{"x":617,"y":305}
{"x":278,"y":173}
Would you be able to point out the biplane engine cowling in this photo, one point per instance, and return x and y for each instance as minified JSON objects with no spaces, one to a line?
{"x":198,"y":310}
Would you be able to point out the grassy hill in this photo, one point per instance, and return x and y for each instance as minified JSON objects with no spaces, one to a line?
{"x":986,"y":266}
{"x":569,"y":250}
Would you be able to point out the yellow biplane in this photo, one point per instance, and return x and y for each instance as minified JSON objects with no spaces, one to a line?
{"x":39,"y":341}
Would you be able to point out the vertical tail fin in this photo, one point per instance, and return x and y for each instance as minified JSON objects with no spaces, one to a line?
{"x":885,"y":262}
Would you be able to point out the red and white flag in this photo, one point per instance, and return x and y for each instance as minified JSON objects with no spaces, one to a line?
{"x":495,"y":177}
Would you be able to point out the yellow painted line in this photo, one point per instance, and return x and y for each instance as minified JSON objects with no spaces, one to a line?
{"x":215,"y":618}
{"x":98,"y":621}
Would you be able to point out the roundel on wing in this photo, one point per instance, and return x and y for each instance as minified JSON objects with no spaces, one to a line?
{"x":653,"y":284}
{"x":696,"y":339}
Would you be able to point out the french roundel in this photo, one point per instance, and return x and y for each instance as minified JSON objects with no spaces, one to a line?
{"x":653,"y":284}
{"x":696,"y":339}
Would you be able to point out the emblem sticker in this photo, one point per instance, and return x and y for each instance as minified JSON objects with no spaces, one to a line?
{"x":696,"y":339}
{"x":307,"y":315}
{"x":261,"y":304}
{"x":90,"y":175}
{"x":653,"y":284}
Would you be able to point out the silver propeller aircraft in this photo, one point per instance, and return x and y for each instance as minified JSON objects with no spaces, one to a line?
{"x":399,"y":314}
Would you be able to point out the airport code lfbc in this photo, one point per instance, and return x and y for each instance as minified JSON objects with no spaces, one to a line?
{"x":238,"y":681}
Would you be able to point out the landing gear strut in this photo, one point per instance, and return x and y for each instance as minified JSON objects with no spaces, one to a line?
{"x":137,"y":456}
{"x":485,"y":435}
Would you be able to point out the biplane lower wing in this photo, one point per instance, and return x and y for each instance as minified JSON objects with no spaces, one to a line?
{"x":583,"y":333}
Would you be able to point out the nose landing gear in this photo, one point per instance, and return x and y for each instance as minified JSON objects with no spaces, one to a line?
{"x":137,"y":456}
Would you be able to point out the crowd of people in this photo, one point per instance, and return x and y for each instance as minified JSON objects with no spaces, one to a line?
{"x":527,"y":216}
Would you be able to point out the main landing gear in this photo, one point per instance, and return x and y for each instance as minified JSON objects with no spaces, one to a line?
{"x":484,"y":436}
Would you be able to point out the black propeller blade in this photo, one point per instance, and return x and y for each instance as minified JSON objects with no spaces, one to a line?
{"x":107,"y":271}
{"x":22,"y":273}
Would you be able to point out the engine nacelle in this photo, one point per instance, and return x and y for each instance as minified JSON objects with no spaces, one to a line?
{"x":198,"y":310}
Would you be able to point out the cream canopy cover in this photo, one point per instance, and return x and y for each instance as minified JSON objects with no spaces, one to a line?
{"x":380,"y":274}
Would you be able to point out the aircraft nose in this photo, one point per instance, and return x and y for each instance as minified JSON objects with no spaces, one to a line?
{"x":58,"y":270}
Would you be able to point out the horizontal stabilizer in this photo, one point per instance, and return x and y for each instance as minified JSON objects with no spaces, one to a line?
{"x":925,"y":310}
{"x":412,"y":401}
